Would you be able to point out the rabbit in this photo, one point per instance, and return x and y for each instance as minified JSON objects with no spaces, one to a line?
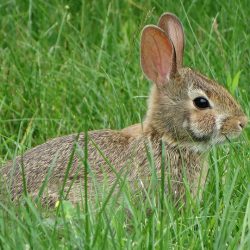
{"x":187,"y":114}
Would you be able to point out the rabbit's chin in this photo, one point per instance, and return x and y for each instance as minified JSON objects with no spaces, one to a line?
{"x":202,"y":145}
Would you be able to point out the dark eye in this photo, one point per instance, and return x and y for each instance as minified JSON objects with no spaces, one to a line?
{"x":201,"y":102}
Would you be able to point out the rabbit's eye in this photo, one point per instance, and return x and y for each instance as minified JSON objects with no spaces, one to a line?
{"x":201,"y":103}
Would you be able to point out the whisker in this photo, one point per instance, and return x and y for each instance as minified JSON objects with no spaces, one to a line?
{"x":228,"y":139}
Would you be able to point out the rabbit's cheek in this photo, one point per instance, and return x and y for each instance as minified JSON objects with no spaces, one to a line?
{"x":202,"y":126}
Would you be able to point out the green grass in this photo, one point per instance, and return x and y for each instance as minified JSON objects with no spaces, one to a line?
{"x":65,"y":65}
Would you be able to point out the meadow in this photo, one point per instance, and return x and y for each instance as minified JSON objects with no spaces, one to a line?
{"x":70,"y":65}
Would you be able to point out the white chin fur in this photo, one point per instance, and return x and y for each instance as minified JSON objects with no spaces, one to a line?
{"x":218,"y":140}
{"x":204,"y":146}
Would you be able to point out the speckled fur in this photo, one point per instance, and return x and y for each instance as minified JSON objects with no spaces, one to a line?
{"x":127,"y":154}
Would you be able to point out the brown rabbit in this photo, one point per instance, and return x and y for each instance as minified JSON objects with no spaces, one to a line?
{"x":187,"y":113}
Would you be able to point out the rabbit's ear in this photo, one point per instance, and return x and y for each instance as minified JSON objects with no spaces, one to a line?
{"x":157,"y":55}
{"x":173,"y":28}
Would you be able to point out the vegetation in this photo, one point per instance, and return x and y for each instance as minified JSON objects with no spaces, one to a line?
{"x":71,"y":65}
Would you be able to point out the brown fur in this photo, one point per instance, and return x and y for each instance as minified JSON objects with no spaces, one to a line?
{"x":172,"y":118}
{"x":127,"y":154}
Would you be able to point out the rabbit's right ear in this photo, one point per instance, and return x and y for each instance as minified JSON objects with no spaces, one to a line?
{"x":157,"y":55}
{"x":173,"y":28}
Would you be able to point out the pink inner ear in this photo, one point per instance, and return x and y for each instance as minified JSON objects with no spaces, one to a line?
{"x":157,"y":55}
{"x":162,"y":63}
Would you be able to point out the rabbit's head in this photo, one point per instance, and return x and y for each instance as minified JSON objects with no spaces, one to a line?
{"x":185,"y":107}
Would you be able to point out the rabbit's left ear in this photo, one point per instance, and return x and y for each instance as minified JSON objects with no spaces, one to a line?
{"x":157,"y":55}
{"x":174,"y":30}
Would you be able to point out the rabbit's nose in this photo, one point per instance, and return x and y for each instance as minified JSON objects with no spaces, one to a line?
{"x":242,"y":122}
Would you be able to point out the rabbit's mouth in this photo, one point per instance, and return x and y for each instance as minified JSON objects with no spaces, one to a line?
{"x":225,"y":137}
{"x":231,"y":136}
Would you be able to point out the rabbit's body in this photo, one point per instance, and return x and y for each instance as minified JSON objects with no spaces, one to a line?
{"x":107,"y":149}
{"x":187,"y":113}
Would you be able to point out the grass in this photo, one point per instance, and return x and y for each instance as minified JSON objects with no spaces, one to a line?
{"x":66,"y":65}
